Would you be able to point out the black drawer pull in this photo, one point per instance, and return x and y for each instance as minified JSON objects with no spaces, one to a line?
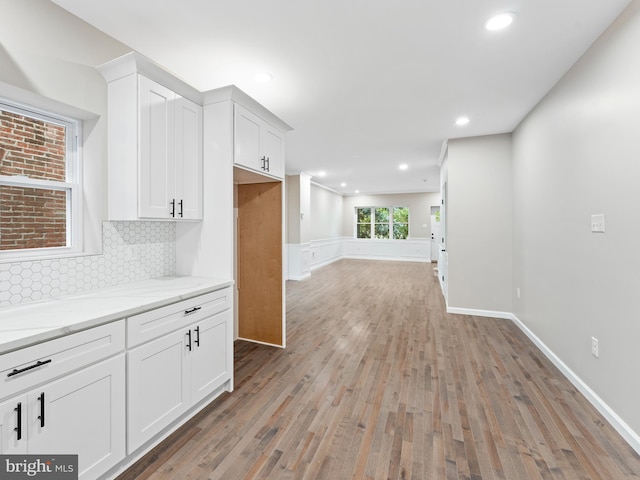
{"x":191,"y":310}
{"x":39,"y":363}
{"x":189,"y":342}
{"x":18,"y":429}
{"x":41,"y":416}
{"x":197,"y":340}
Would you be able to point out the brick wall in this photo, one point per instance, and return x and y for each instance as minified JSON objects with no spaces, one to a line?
{"x":32,"y":217}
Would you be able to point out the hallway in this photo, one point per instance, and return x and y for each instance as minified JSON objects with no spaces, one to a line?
{"x":378,"y":382}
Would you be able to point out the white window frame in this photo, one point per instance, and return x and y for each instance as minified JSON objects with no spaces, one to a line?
{"x":373,"y":223}
{"x":72,"y":185}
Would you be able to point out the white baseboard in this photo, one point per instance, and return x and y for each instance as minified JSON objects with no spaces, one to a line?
{"x":612,"y":417}
{"x":480,"y":313}
{"x":386,"y":258}
{"x":299,"y":278}
{"x":315,"y":266}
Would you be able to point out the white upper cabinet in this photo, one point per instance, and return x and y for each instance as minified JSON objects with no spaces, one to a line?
{"x":155,"y":144}
{"x":257,"y":145}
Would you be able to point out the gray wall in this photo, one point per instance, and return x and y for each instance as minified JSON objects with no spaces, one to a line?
{"x":578,"y":154}
{"x":326,"y":213}
{"x":479,"y":223}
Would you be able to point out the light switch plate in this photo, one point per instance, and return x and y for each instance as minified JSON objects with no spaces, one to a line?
{"x":597,"y":223}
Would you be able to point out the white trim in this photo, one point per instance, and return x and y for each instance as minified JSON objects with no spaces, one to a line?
{"x":326,"y":251}
{"x":73,"y":184}
{"x":298,"y":264}
{"x":479,"y":313}
{"x":632,"y":438}
{"x":261,"y":343}
{"x":387,"y":258}
{"x":444,"y":149}
{"x":329,"y":189}
{"x":409,"y":250}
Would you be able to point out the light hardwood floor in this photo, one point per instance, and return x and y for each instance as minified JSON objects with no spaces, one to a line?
{"x":378,"y":382}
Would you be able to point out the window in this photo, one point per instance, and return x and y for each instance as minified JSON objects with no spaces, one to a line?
{"x":39,"y":183}
{"x":382,"y":222}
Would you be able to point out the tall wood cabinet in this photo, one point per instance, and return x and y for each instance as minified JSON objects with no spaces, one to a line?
{"x":244,"y":147}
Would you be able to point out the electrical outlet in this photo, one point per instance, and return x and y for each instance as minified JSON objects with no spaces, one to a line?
{"x":594,"y":347}
{"x":518,"y":292}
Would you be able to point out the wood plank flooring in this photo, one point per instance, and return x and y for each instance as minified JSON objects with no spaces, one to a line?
{"x":378,"y":382}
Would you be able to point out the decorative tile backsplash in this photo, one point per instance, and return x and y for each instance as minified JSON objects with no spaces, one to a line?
{"x":132,"y":251}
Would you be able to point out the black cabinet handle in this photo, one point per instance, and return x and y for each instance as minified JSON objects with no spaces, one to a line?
{"x":264,"y":163}
{"x":173,"y":207}
{"x":268,"y":164}
{"x":39,"y":363}
{"x":18,"y":428}
{"x":41,"y":416}
{"x":189,"y":341}
{"x":181,"y":209}
{"x":191,"y":310}
{"x":197,"y":340}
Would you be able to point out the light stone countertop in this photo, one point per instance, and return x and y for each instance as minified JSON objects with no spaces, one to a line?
{"x":36,"y":322}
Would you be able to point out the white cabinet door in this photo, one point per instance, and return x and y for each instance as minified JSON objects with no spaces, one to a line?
{"x":157,"y":388}
{"x":247,"y":150}
{"x":188,"y":169}
{"x":83,"y":414}
{"x":13,"y":425}
{"x":209,"y":359}
{"x":272,"y":143}
{"x":156,"y":150}
{"x":257,"y":145}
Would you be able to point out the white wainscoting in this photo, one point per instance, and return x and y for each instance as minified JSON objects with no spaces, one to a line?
{"x":410,"y":250}
{"x":302,"y":258}
{"x":298,"y":265}
{"x":326,"y":251}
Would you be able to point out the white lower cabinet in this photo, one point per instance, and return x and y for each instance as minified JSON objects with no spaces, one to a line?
{"x":156,"y":387}
{"x":82,"y":413}
{"x":170,"y":374}
{"x":87,"y":394}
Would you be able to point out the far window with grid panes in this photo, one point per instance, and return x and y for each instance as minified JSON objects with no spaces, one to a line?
{"x":382,"y":222}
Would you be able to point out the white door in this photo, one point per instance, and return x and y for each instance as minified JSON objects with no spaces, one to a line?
{"x":435,"y":235}
{"x":246,"y":146}
{"x":157,"y":150}
{"x":272,"y":149}
{"x":157,"y":386}
{"x":210,"y":366}
{"x":443,"y":257}
{"x":188,"y":173}
{"x":83,"y":414}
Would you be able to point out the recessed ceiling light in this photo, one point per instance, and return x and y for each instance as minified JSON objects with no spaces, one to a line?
{"x":263,"y":77}
{"x":461,"y":121}
{"x":357,"y":191}
{"x":322,"y":173}
{"x":403,"y":166}
{"x":343,"y":184}
{"x":500,"y":21}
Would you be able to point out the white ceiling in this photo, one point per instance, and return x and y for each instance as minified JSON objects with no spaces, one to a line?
{"x":366,"y":84}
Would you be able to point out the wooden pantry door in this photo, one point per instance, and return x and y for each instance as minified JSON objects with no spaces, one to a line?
{"x":260,"y":283}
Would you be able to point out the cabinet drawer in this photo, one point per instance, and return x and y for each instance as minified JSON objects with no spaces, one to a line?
{"x":46,"y":361}
{"x":155,"y":323}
